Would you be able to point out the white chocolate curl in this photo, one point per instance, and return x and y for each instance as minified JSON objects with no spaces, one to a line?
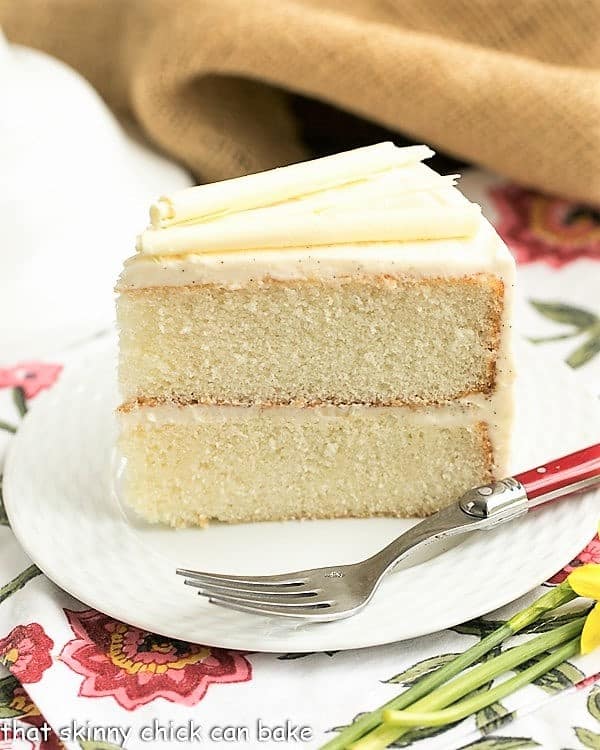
{"x":314,"y":230}
{"x":265,"y":188}
{"x":375,"y":194}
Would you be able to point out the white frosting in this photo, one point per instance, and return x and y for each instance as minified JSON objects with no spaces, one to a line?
{"x":458,"y":413}
{"x":483,"y":252}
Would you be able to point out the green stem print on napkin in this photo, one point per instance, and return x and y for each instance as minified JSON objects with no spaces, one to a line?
{"x":3,"y":516}
{"x":20,"y":400}
{"x":582,"y":322}
{"x":7,"y":427}
{"x":19,"y":581}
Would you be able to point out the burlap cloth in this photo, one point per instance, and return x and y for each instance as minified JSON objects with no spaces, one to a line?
{"x":512,"y":85}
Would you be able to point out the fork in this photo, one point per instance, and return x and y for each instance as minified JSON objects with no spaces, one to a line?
{"x":332,"y":593}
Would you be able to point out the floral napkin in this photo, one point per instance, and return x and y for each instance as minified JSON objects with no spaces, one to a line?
{"x":75,"y":677}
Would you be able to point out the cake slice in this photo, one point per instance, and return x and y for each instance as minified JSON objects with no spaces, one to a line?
{"x":322,"y":340}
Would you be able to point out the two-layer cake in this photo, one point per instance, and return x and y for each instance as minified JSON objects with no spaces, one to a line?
{"x":327,"y":339}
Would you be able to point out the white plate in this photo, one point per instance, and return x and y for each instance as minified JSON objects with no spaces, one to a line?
{"x":61,"y":504}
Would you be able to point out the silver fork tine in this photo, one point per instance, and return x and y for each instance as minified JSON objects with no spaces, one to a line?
{"x":271,"y":601}
{"x":266,"y":599}
{"x":285,"y":579}
{"x":267,"y":608}
{"x":288,"y":593}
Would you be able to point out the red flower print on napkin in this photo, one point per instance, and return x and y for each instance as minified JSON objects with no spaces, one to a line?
{"x":544,"y":228}
{"x":591,"y":554}
{"x":32,"y":377}
{"x":135,"y":667}
{"x":26,"y":652}
{"x":591,"y":680}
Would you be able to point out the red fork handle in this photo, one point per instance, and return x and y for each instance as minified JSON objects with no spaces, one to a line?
{"x":573,"y":473}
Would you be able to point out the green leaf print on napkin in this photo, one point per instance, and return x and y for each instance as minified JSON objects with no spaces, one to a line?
{"x":479,"y":627}
{"x":561,"y":313}
{"x":6,"y":712}
{"x":549,"y":622}
{"x":585,"y":352}
{"x":561,"y":677}
{"x":8,"y":709}
{"x":588,"y":738}
{"x":302,"y":655}
{"x":564,"y":676}
{"x":420,"y":669}
{"x":416,"y":735}
{"x":501,"y":743}
{"x":593,"y":702}
{"x":482,"y":627}
{"x":493,"y":717}
{"x":581,"y":322}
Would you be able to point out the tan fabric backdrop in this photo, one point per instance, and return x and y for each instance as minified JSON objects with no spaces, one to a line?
{"x":513,"y":85}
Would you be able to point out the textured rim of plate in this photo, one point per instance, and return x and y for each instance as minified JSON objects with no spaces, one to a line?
{"x":57,"y":476}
